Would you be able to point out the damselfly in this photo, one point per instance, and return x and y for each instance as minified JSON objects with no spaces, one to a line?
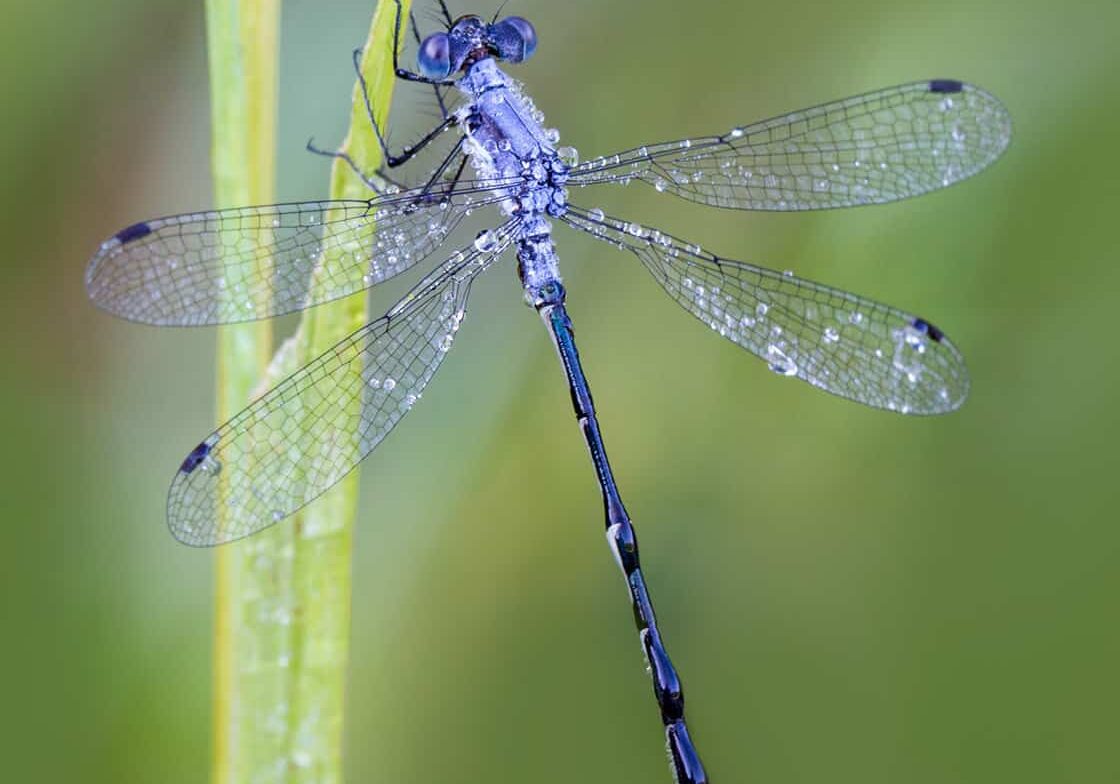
{"x":291,"y":444}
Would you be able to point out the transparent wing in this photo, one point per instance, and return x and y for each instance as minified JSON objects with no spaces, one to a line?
{"x":305,"y":434}
{"x":842,"y":343}
{"x":873,"y":148}
{"x":227,"y":266}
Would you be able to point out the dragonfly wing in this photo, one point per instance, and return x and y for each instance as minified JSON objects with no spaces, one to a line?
{"x":300,"y":438}
{"x":227,"y":266}
{"x":842,"y":343}
{"x":873,"y":148}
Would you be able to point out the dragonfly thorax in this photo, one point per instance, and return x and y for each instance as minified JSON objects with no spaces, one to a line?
{"x":506,"y":144}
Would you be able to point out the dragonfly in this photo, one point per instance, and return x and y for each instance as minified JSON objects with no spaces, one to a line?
{"x":298,"y":439}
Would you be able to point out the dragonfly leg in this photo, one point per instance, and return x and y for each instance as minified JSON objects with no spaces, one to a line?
{"x":409,"y":151}
{"x":442,"y":169}
{"x":435,"y":87}
{"x":380,"y":190}
{"x":446,"y":14}
{"x":402,"y":73}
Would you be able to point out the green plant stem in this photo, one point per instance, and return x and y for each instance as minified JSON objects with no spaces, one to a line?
{"x":283,"y":607}
{"x":242,"y":46}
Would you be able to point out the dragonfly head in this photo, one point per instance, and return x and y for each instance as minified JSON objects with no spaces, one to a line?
{"x":471,"y":39}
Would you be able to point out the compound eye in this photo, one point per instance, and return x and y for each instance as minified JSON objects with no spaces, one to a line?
{"x":514,"y":38}
{"x":434,"y":57}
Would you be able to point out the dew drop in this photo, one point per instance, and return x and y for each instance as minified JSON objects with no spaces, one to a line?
{"x":831,"y":335}
{"x":915,"y":340}
{"x":779,"y":362}
{"x":569,"y":155}
{"x":485,"y":241}
{"x":389,"y":384}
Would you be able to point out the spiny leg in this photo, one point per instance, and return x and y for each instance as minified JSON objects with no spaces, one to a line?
{"x":409,"y":151}
{"x":435,"y":87}
{"x":446,"y":14}
{"x":396,"y":186}
{"x":410,"y":76}
{"x":390,"y":160}
{"x":345,"y":158}
{"x":442,"y":168}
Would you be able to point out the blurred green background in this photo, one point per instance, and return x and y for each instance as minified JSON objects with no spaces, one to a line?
{"x":851,"y":596}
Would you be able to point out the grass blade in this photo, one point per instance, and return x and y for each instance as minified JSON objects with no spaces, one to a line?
{"x":283,"y":608}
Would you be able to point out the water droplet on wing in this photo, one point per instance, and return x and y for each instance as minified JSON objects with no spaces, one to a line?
{"x":485,"y":241}
{"x":779,"y":362}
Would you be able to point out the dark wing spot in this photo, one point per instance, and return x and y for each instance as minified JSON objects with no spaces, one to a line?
{"x":945,"y":86}
{"x":197,"y":455}
{"x":926,"y":328}
{"x":133,"y":232}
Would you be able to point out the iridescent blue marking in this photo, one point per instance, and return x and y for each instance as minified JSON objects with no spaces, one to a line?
{"x":926,"y":328}
{"x":196,"y":457}
{"x":133,"y":232}
{"x":945,"y":86}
